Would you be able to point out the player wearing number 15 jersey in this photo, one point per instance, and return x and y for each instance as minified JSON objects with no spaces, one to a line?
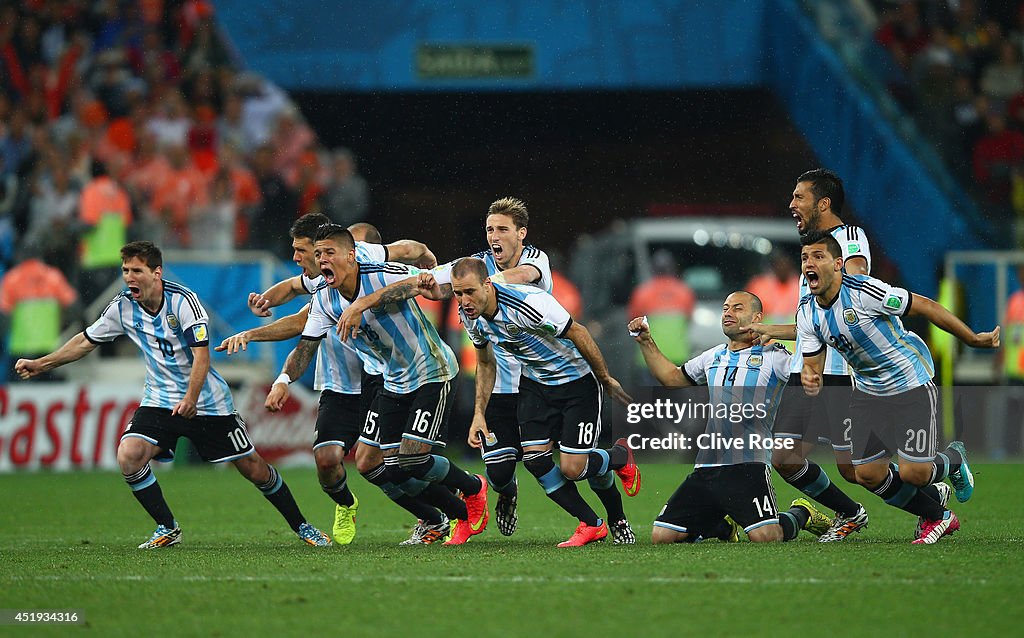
{"x":184,"y":395}
{"x":893,"y":409}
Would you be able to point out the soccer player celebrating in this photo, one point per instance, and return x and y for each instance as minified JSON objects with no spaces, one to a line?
{"x":419,"y":368}
{"x":893,"y":408}
{"x":560,"y":394}
{"x":348,"y":383}
{"x":816,"y":204}
{"x":184,"y":395}
{"x":509,"y":260}
{"x":733,"y":482}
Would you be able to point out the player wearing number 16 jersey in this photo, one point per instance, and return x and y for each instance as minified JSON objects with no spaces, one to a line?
{"x":893,"y":409}
{"x":184,"y":395}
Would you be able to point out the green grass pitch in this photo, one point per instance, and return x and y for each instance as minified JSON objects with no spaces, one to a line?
{"x":68,"y":541}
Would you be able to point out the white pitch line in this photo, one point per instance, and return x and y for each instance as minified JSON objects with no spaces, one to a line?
{"x":391,"y":578}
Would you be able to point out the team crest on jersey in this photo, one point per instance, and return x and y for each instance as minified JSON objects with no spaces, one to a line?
{"x":850,"y":317}
{"x":755,"y":360}
{"x":172,"y":321}
{"x":513,"y":329}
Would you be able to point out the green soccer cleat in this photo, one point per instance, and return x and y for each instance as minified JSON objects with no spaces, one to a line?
{"x":817,"y":523}
{"x":734,"y":531}
{"x":962,"y":479}
{"x":345,"y":522}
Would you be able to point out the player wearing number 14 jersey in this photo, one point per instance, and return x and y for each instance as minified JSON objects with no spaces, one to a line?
{"x":184,"y":395}
{"x":894,"y":404}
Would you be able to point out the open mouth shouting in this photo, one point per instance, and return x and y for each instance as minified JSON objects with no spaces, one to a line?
{"x":813,"y":280}
{"x":328,"y":273}
{"x":135,"y":291}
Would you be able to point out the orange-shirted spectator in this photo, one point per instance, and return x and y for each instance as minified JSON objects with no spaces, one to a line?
{"x":309,"y":186}
{"x":182,"y":191}
{"x":246,"y":190}
{"x":290,"y":139}
{"x":104,"y":208}
{"x":667,"y":303}
{"x":778,"y":289}
{"x":32,"y":295}
{"x":567,"y":294}
{"x":148,"y":170}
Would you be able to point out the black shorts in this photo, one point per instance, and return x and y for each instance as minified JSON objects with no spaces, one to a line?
{"x":569,"y":414}
{"x":421,"y":415}
{"x":742,"y":491}
{"x":503,"y":423}
{"x":904,"y":424}
{"x":217,"y":438}
{"x":823,"y":419}
{"x":339,"y":420}
{"x":369,"y":406}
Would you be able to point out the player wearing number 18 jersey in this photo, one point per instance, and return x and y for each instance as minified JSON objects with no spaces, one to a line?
{"x":560,"y":394}
{"x":894,"y":404}
{"x":184,"y":395}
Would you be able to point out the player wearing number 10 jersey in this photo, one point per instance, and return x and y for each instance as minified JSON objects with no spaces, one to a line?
{"x":184,"y":395}
{"x":893,"y":409}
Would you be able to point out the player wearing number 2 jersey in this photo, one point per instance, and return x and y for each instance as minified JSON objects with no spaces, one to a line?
{"x":184,"y":395}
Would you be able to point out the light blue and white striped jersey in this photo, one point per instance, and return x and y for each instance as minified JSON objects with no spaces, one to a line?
{"x":854,"y":243}
{"x":166,"y":340}
{"x":338,"y":364}
{"x":398,"y":335}
{"x":744,"y":391}
{"x":506,"y":380}
{"x":529,"y":325}
{"x":863,"y":324}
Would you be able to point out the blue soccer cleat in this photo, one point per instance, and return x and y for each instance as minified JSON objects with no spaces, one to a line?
{"x":962,"y":479}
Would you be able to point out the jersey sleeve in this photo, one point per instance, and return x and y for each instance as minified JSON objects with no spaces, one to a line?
{"x":194,"y":320}
{"x":537,"y":258}
{"x":443,"y":273}
{"x":780,"y":360}
{"x":393,"y":273}
{"x":541,"y":311}
{"x":371,"y":253}
{"x":810,"y":341}
{"x":109,"y":326}
{"x":879,"y":298}
{"x":319,"y":322}
{"x":854,"y":243}
{"x":696,"y":369}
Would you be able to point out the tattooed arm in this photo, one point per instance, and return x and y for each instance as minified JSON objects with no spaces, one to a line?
{"x":294,"y":367}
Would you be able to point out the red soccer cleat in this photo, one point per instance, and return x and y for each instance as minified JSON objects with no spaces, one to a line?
{"x":476,"y":517}
{"x":586,"y":534}
{"x":629,"y":473}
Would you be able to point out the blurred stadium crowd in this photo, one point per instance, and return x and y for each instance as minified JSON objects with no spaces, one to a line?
{"x":131,"y":119}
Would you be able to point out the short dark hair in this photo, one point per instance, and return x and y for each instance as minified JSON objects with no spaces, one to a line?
{"x":823,"y":237}
{"x":369,"y":231}
{"x":305,"y":227}
{"x":338,"y":233}
{"x":825,"y":183}
{"x":470,"y":265}
{"x":755,"y":301}
{"x":514,"y":208}
{"x":146,"y":251}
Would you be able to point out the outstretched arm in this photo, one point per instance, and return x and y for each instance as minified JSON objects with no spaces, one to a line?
{"x":581,"y":338}
{"x":420,"y":284}
{"x":281,"y":330}
{"x":525,"y":274}
{"x":781,"y":331}
{"x":408,"y":251}
{"x":667,"y":373}
{"x":280,"y":293}
{"x":76,"y":348}
{"x":939,"y":316}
